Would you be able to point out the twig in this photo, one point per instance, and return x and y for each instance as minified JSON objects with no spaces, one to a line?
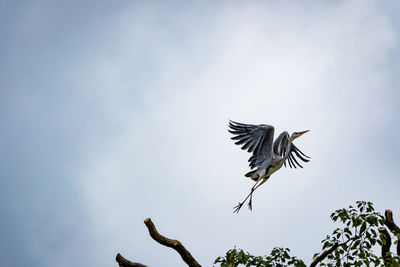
{"x":175,"y":244}
{"x":386,"y":246}
{"x":125,"y":263}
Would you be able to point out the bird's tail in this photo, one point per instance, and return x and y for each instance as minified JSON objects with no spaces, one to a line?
{"x":253,"y":175}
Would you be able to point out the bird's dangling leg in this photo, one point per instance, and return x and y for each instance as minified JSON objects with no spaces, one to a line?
{"x":254,"y":189}
{"x":251,"y":198}
{"x":263,"y":181}
{"x":239,"y":206}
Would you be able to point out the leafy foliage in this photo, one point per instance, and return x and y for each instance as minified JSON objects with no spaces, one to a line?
{"x":393,"y":261}
{"x":349,"y":245}
{"x":356,"y":238}
{"x":279,"y":257}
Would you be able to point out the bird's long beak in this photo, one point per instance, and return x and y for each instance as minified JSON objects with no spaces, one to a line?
{"x":303,"y":132}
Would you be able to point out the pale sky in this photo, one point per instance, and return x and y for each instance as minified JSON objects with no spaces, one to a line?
{"x":113,"y":112}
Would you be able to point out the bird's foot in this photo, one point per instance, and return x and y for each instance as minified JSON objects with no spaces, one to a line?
{"x":237,"y":207}
{"x":250,"y":205}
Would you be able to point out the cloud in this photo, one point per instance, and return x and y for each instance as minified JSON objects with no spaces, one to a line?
{"x":257,"y":64}
{"x":159,"y":84}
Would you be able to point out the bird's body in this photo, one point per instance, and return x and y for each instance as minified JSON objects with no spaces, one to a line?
{"x":268,"y":156}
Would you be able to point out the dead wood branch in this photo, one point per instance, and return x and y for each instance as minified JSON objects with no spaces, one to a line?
{"x":175,"y":244}
{"x":122,"y":262}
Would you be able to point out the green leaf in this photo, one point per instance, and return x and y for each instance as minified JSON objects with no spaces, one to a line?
{"x":363,"y":227}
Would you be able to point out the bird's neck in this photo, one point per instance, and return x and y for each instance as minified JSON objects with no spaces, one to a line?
{"x":288,"y":148}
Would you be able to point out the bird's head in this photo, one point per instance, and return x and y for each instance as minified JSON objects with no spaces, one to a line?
{"x":297,"y":134}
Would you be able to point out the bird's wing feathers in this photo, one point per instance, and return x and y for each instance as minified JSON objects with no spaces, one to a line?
{"x":281,"y":143}
{"x":256,"y":139}
{"x":280,"y":146}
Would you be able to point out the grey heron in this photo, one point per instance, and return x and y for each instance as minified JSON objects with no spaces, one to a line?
{"x":268,"y":155}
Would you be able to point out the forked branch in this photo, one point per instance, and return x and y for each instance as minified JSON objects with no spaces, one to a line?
{"x":175,"y":244}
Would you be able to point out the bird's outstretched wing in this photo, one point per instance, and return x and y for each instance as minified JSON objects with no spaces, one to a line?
{"x":256,"y":139}
{"x":280,"y":145}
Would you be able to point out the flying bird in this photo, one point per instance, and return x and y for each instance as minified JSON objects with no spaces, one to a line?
{"x":268,"y":155}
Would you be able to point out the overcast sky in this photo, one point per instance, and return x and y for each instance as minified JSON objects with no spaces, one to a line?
{"x":115,"y":111}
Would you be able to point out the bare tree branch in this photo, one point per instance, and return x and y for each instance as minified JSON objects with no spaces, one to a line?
{"x":175,"y":244}
{"x":122,"y":262}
